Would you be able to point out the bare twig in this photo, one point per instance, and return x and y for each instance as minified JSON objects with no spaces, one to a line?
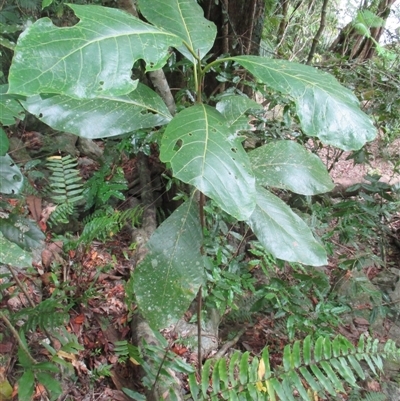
{"x":229,"y":344}
{"x":21,"y":286}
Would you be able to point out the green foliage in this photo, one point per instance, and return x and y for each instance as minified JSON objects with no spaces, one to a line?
{"x":174,"y":265}
{"x":21,"y":231}
{"x":308,"y":367}
{"x":12,"y":254}
{"x":106,"y":183}
{"x":357,"y":395}
{"x":105,"y":223}
{"x":49,"y":314}
{"x":364,"y":219}
{"x":66,"y":187}
{"x":140,"y":109}
{"x":45,"y":372}
{"x":11,"y":178}
{"x":202,"y":144}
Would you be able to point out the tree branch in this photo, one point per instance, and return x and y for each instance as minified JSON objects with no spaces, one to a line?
{"x":319,"y":32}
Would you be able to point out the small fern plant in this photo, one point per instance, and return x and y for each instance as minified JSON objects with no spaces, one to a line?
{"x":105,"y":223}
{"x":308,"y":369}
{"x":105,"y":184}
{"x":66,"y":187}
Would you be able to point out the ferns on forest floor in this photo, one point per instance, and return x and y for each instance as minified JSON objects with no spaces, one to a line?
{"x":309,"y":368}
{"x":66,"y":187}
{"x":103,"y":224}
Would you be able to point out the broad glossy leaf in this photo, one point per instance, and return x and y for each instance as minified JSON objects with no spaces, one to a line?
{"x":11,"y":179}
{"x":325,"y":108}
{"x":101,"y":117}
{"x":10,"y":108}
{"x":12,"y":254}
{"x":23,"y":232}
{"x":89,"y":59}
{"x":184,"y":18}
{"x":167,"y":280}
{"x":205,"y":153}
{"x":4,"y":142}
{"x":283,"y":233}
{"x":287,"y":165}
{"x":234,"y":109}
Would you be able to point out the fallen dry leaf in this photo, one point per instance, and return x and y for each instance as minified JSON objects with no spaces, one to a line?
{"x":35,"y":206}
{"x":47,"y":258}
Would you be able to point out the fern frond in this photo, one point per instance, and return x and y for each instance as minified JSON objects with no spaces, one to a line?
{"x":359,"y":395}
{"x":47,"y":315}
{"x":62,"y":213}
{"x":106,"y":223}
{"x":105,"y":184}
{"x":309,"y":368}
{"x":65,"y":185}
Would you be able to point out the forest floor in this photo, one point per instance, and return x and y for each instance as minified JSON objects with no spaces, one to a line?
{"x":99,"y":316}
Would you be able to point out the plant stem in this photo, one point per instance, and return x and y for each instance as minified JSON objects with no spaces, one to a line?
{"x":21,"y":286}
{"x":17,"y":337}
{"x":199,"y":294}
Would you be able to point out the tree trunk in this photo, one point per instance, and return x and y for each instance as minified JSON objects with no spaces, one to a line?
{"x":240,"y":25}
{"x":353,"y":45}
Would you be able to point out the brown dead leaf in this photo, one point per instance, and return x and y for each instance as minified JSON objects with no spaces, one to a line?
{"x":46,"y":212}
{"x":79,"y":319}
{"x":47,"y":258}
{"x":5,"y":347}
{"x":373,"y":385}
{"x":55,"y":247}
{"x":116,"y":395}
{"x":35,"y":206}
{"x":360,"y":321}
{"x":39,"y":391}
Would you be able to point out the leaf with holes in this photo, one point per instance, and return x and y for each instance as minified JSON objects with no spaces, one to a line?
{"x":10,"y":108}
{"x":325,"y":108}
{"x":205,"y":153}
{"x":92,"y":58}
{"x":101,"y":117}
{"x":234,"y":109}
{"x":168,"y":279}
{"x":287,"y":165}
{"x":184,"y":18}
{"x":23,"y":232}
{"x":11,"y":178}
{"x":12,"y":254}
{"x":283,"y":233}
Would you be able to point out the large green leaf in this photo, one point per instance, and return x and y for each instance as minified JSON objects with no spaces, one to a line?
{"x":10,"y":108}
{"x":325,"y":108}
{"x":169,"y":277}
{"x":101,"y":117}
{"x":12,"y":254}
{"x":23,"y":232}
{"x":92,"y":58}
{"x":184,"y":18}
{"x":234,"y":109}
{"x":283,"y":233}
{"x":4,"y":142}
{"x":287,"y":165}
{"x":11,"y":178}
{"x":205,"y":153}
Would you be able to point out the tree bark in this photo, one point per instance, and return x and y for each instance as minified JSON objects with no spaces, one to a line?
{"x":239,"y":25}
{"x":319,"y":32}
{"x":355,"y":46}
